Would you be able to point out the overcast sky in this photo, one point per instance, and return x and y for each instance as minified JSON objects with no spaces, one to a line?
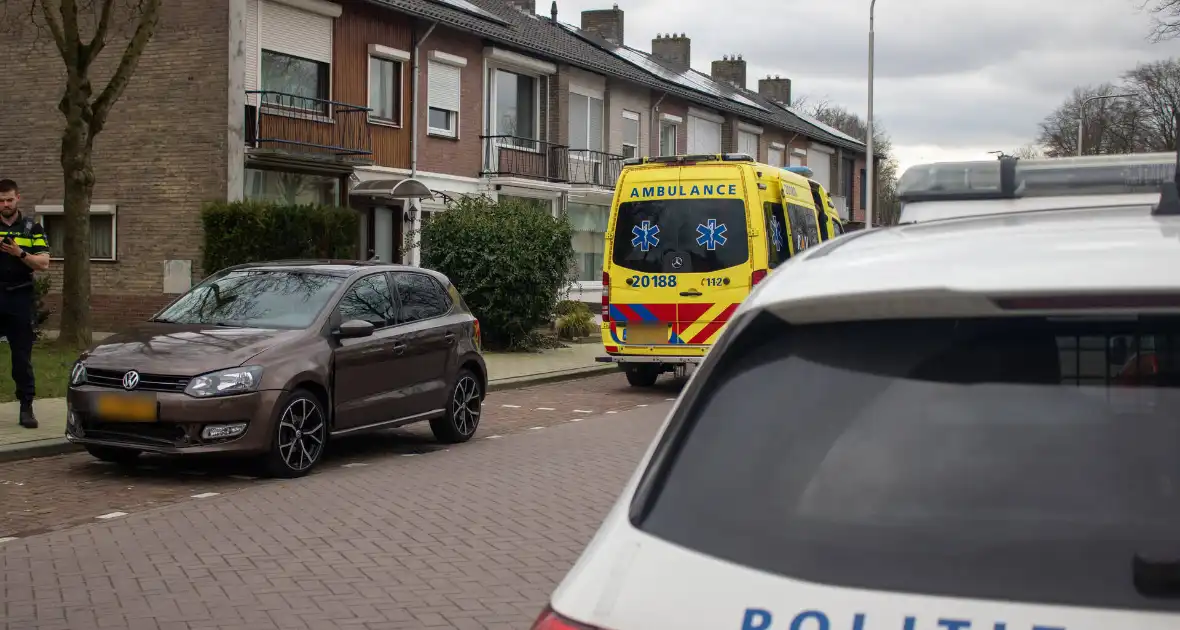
{"x":954,"y":79}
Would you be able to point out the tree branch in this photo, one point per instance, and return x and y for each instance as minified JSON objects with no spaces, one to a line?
{"x":73,"y":40}
{"x":148,"y":18}
{"x":54,"y":25}
{"x":99,"y":41}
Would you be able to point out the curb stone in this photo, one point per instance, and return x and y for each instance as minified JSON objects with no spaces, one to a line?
{"x":60,"y":446}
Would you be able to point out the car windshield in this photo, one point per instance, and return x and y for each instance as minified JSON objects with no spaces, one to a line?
{"x":255,"y":298}
{"x":1011,"y":459}
{"x":706,"y":235}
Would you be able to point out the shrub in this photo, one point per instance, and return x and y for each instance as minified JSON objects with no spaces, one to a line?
{"x":510,"y":261}
{"x":251,"y":231}
{"x":41,"y":285}
{"x":577,"y":320}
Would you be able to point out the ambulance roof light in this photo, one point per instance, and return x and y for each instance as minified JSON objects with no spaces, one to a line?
{"x":802,"y":170}
{"x":1014,"y":178}
{"x":693,"y":158}
{"x":737,"y":157}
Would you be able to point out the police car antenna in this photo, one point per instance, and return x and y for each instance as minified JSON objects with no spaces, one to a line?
{"x":1169,"y":204}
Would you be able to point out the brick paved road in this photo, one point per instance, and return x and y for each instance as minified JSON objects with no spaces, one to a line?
{"x":472,"y":537}
{"x":58,"y":492}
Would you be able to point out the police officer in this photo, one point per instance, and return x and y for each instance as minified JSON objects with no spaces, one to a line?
{"x":23,"y":250}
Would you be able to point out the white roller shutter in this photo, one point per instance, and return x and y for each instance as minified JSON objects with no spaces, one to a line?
{"x":443,"y":89}
{"x":251,"y":45}
{"x":820,"y":164}
{"x":748,"y":144}
{"x":774,"y":157}
{"x":704,"y":136}
{"x":297,"y":33}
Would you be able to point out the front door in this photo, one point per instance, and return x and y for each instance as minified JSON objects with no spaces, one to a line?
{"x":384,"y":233}
{"x":363,"y":366}
{"x":429,"y":342}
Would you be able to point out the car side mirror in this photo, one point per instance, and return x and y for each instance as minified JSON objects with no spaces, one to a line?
{"x":354,"y":328}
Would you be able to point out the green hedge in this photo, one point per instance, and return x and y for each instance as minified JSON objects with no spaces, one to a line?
{"x":511,"y":261}
{"x":252,"y":231}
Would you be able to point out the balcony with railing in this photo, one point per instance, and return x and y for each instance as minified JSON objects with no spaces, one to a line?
{"x":514,"y":156}
{"x":594,"y":168}
{"x":300,"y":126}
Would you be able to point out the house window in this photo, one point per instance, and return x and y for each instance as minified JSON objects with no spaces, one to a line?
{"x":514,"y":105}
{"x":774,"y":157}
{"x":630,"y":134}
{"x":585,"y":122}
{"x":748,"y":143}
{"x":796,"y":159}
{"x":704,"y":135}
{"x":668,"y":133}
{"x":294,"y":82}
{"x":292,"y":188}
{"x":589,"y":240}
{"x":442,"y":117}
{"x":385,"y":90}
{"x":102,"y":230}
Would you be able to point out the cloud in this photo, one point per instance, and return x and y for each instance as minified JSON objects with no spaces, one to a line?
{"x":951,"y":77}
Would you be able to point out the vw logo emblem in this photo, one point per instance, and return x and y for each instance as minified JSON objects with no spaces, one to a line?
{"x":677,"y":262}
{"x":131,"y":380}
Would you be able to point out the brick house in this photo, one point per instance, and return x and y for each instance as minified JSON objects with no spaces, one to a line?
{"x":311,"y":100}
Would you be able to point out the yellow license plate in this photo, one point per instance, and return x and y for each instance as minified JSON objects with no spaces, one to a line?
{"x":127,"y":408}
{"x":647,"y":334}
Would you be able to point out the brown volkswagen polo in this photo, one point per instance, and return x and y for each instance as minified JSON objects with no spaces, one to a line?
{"x":270,"y":360}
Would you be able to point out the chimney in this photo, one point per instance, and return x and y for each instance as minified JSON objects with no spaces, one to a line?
{"x":553,"y":12}
{"x":674,"y":50}
{"x":775,"y":89}
{"x":528,"y":6}
{"x":731,"y":69}
{"x":605,"y":23}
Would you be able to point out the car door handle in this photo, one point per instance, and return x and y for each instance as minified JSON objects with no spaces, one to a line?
{"x":399,"y":348}
{"x":691,"y":293}
{"x":450,"y":337}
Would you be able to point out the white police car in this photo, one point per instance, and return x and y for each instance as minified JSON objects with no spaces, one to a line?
{"x":977,"y":428}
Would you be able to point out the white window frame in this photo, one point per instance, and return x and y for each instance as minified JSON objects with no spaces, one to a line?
{"x":635,"y":116}
{"x":101,"y":209}
{"x":401,"y":58}
{"x":497,"y":59}
{"x":591,"y":95}
{"x":674,"y":122}
{"x":438,"y":56}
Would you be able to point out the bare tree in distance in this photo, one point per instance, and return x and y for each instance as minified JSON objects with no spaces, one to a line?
{"x":1029,"y":152}
{"x":1142,"y":123}
{"x":1165,"y":18}
{"x":887,"y":209}
{"x":81,"y":31}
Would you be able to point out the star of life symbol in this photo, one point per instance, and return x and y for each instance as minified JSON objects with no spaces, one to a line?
{"x":645,"y":236}
{"x":710,"y":235}
{"x":776,"y":233}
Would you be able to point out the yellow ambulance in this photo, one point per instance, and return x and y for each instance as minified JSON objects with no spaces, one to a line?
{"x":688,"y":238}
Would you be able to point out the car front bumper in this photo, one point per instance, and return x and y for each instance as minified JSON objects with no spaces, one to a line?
{"x":180,"y":424}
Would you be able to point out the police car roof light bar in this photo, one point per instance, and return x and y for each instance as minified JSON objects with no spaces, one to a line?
{"x":1014,"y":178}
{"x":1169,"y":204}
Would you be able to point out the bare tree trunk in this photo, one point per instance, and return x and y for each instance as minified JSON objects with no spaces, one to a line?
{"x":76,"y":154}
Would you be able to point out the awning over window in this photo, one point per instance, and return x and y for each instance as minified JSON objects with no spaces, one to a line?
{"x":409,"y":188}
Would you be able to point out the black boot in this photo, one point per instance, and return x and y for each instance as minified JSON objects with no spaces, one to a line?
{"x":27,"y":419}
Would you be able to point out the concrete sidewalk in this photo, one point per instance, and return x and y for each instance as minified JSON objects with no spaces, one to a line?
{"x":506,"y":370}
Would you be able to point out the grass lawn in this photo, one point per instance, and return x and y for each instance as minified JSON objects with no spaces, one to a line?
{"x":51,"y":364}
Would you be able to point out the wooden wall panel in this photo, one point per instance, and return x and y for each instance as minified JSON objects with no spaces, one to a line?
{"x":362,"y":24}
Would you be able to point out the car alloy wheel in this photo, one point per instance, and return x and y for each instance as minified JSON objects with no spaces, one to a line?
{"x":302,"y":434}
{"x":461,"y":418}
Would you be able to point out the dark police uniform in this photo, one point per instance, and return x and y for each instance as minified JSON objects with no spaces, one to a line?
{"x":17,"y":301}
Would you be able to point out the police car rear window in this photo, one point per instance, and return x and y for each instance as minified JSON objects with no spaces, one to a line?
{"x":705,"y":234}
{"x":1028,"y":460}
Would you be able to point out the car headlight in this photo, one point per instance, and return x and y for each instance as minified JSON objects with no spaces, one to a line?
{"x":225,"y":382}
{"x":78,"y":374}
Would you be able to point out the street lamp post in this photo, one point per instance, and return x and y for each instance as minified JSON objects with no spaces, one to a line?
{"x":1082,"y":112}
{"x":870,"y":174}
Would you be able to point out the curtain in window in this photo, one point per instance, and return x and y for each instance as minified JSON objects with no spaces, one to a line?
{"x":589,"y":223}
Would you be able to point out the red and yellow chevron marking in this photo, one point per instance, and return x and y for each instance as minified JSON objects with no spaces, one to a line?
{"x":699,"y":322}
